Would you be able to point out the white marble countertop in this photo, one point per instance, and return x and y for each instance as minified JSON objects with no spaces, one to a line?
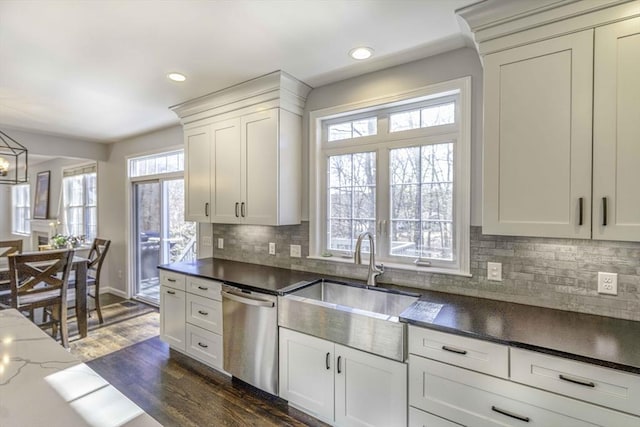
{"x":41,"y":384}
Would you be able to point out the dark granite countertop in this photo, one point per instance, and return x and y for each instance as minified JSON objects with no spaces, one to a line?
{"x":599,"y":340}
{"x":254,"y":277}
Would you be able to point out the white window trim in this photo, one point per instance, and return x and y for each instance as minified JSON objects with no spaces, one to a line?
{"x":462,"y":201}
{"x":13,"y":212}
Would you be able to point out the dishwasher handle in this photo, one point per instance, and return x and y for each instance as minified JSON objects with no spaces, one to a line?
{"x":243,"y":299}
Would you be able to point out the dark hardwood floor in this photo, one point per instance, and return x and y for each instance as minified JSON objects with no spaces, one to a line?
{"x":179,"y":391}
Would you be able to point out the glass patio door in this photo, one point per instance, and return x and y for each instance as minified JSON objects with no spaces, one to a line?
{"x":160,"y":232}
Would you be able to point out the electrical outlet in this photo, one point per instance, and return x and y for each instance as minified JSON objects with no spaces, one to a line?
{"x":207,"y":241}
{"x":295,"y":251}
{"x":494,"y":271}
{"x":607,"y":283}
{"x":272,"y":248}
{"x":220,"y":243}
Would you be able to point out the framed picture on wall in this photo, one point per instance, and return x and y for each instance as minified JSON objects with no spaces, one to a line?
{"x":41,"y":203}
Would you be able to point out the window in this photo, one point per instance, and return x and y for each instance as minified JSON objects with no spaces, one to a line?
{"x":157,"y":164}
{"x":407,"y":183}
{"x":80,"y":201}
{"x":21,"y":209}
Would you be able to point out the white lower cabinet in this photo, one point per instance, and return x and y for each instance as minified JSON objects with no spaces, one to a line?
{"x":191,"y":316}
{"x":341,"y":385}
{"x":172,"y":317}
{"x":453,"y":381}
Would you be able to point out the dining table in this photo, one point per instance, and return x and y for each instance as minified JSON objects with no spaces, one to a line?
{"x":80,"y":266}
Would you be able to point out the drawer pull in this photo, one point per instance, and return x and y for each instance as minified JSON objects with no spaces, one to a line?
{"x":510,"y":414}
{"x":171,"y":292}
{"x":203,"y":345}
{"x":204,"y":313}
{"x":326,"y":361}
{"x":203,"y":288}
{"x":171,"y":280}
{"x":577,"y":381}
{"x":453,"y":350}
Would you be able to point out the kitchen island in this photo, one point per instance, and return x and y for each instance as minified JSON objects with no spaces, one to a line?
{"x":42,"y":384}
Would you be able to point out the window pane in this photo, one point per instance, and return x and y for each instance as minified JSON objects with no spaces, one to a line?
{"x":157,"y":163}
{"x":92,"y":189}
{"x":404,"y":121}
{"x":422,"y":201}
{"x":20,"y":209}
{"x":351,"y":199}
{"x":438,"y":115}
{"x":353,"y":129}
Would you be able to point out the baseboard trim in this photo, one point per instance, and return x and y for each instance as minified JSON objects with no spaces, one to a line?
{"x":114,"y":291}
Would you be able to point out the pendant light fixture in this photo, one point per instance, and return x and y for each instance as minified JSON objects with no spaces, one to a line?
{"x":13,"y":161}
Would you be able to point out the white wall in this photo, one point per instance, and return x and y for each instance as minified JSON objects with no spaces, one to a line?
{"x":113,"y":205}
{"x":404,"y":78}
{"x":57,"y":146}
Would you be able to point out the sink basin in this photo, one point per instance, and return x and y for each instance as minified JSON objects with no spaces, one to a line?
{"x":357,"y":316}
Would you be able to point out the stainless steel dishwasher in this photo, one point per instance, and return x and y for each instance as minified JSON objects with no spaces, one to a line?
{"x":250,"y":325}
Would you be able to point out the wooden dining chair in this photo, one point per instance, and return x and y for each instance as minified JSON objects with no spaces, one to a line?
{"x":40,"y":280}
{"x":7,"y":247}
{"x":96,"y":256}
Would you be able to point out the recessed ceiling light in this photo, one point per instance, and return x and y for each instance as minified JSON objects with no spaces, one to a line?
{"x":176,"y":77}
{"x":361,"y":53}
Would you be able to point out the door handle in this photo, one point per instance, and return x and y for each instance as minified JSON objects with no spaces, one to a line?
{"x":206,"y":209}
{"x":248,"y":300}
{"x":454,"y":350}
{"x":326,"y":361}
{"x":202,"y":288}
{"x":339,"y":364}
{"x":604,"y":211}
{"x":576,"y":381}
{"x":510,"y":414}
{"x":237,"y":212}
{"x":171,"y":292}
{"x":242,"y":210}
{"x":203,"y":345}
{"x":203,"y":313}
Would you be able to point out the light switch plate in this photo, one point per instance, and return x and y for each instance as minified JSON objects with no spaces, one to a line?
{"x":295,"y":251}
{"x":220,"y":243}
{"x":607,"y":283}
{"x":272,"y":248}
{"x":494,"y":271}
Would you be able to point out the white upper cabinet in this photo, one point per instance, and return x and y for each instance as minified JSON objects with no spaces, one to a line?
{"x":197,"y":143}
{"x":616,"y":132}
{"x":537,"y":138}
{"x":243,"y":149}
{"x":561,"y":118}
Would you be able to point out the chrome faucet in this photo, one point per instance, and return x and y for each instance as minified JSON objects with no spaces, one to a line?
{"x":374,"y":270}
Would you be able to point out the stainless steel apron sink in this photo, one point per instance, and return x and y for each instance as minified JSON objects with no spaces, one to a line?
{"x":356,"y":316}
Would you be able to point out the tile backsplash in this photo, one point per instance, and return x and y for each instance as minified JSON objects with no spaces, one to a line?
{"x":555,"y":273}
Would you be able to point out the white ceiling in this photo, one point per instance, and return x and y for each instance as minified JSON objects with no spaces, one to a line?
{"x":96,"y":70}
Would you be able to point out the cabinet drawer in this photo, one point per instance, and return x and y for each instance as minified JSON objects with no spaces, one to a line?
{"x":603,"y":386}
{"x":206,"y":288}
{"x":205,"y":346}
{"x":205,"y":313}
{"x":478,"y":355}
{"x":418,"y":418}
{"x":474,"y":399}
{"x":172,"y":280}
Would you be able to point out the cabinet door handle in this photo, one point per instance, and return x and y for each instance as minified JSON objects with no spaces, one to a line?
{"x":339,"y":364}
{"x":454,"y":350}
{"x":203,"y":345}
{"x":203,"y":288}
{"x":242,"y":209}
{"x":204,"y":313}
{"x":171,"y":292}
{"x":510,"y":414}
{"x":576,"y":381}
{"x":326,"y":360}
{"x":604,"y":211}
{"x":580,"y":205}
{"x":237,"y":210}
{"x":206,"y":209}
{"x":171,"y":280}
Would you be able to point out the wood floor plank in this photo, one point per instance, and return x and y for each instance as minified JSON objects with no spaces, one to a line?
{"x":179,"y":391}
